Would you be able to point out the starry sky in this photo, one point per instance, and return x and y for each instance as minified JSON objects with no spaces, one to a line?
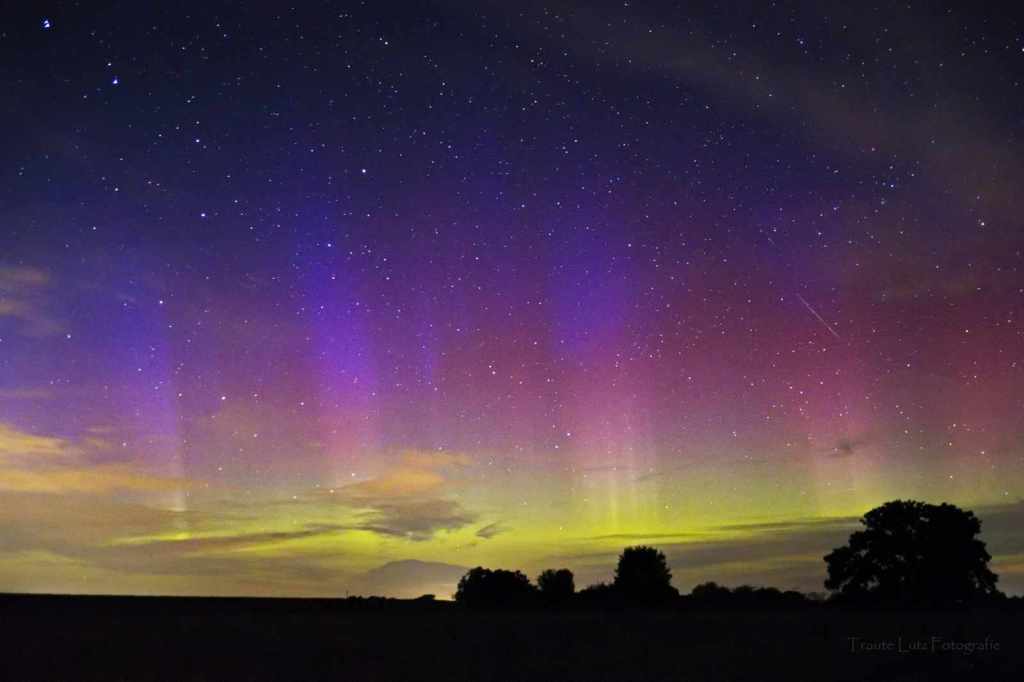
{"x":344,"y":298}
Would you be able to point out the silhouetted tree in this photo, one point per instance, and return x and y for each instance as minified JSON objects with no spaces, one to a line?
{"x":596,"y":588}
{"x":744,"y":594}
{"x":484,"y":588}
{"x":710,"y":593}
{"x":643,"y":575}
{"x":913,"y":552}
{"x":556,"y":586}
{"x":598,"y":595}
{"x":745,"y":597}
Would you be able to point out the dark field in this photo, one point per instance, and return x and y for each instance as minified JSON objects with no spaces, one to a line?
{"x":62,"y":638}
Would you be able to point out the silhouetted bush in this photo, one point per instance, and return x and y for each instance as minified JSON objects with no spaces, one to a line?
{"x":484,"y":588}
{"x":556,"y":586}
{"x":712,"y":595}
{"x":643,"y":576}
{"x":598,"y":595}
{"x":913,"y":553}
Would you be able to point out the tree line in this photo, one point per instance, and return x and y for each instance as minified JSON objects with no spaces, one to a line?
{"x":908,"y":553}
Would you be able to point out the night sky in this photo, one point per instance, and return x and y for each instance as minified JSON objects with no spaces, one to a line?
{"x":346,"y":298}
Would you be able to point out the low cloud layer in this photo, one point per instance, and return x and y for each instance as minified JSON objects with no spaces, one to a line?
{"x":61,"y":513}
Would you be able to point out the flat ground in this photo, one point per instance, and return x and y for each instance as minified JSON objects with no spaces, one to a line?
{"x":103,"y":638}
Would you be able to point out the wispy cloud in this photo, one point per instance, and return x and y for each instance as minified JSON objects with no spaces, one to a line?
{"x":12,"y":277}
{"x":33,"y":521}
{"x":125,"y":547}
{"x":15,"y":443}
{"x":635,"y":537}
{"x":792,"y":525}
{"x":417,"y":473}
{"x":92,"y":479}
{"x":416,"y":519}
{"x":24,"y":299}
{"x":232,"y":541}
{"x":410,"y":499}
{"x":490,"y":530}
{"x":53,"y":464}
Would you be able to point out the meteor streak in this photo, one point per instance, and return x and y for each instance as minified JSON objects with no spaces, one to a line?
{"x":819,"y":317}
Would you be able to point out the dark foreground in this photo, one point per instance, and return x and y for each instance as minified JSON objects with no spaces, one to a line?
{"x":103,"y":638}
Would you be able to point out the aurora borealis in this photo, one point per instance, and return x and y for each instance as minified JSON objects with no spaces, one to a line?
{"x":344,"y":298}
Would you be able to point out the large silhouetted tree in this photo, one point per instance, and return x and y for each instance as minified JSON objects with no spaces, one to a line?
{"x":556,"y":586}
{"x":913,"y":552}
{"x":643,"y":575}
{"x":484,"y":588}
